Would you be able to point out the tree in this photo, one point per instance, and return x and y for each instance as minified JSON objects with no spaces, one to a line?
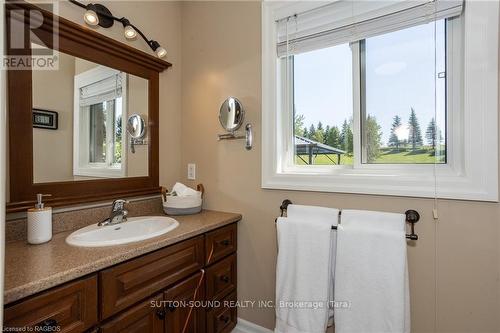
{"x":319,"y":135}
{"x":414,"y":135}
{"x":433,"y":134}
{"x":305,"y":134}
{"x":333,"y":137}
{"x":346,"y":137}
{"x":393,"y":139}
{"x":312,"y":132}
{"x":373,"y":138}
{"x":298,"y":124}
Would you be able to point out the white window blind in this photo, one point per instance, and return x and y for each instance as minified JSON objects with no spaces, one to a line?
{"x":106,"y":89}
{"x":346,"y":21}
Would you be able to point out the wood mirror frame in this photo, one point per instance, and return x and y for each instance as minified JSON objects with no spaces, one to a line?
{"x":82,"y":42}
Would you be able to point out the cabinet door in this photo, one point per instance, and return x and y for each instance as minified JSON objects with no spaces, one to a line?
{"x":182,"y":316}
{"x":70,"y":308}
{"x":148,"y":316}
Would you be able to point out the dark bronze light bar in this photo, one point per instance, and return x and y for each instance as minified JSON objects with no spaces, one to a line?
{"x":97,"y":14}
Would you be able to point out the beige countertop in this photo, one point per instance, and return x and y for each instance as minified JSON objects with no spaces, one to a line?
{"x":30,"y":269}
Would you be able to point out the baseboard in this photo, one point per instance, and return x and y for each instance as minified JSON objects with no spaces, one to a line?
{"x":245,"y":326}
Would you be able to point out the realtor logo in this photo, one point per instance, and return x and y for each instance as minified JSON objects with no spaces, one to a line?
{"x":32,"y":36}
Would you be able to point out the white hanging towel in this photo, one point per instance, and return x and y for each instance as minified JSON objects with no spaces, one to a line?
{"x":371,"y":274}
{"x":303,"y":270}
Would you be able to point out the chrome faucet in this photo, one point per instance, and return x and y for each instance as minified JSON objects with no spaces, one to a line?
{"x":118,"y":213}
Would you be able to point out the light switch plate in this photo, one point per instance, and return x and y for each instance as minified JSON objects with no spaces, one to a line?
{"x":191,"y":171}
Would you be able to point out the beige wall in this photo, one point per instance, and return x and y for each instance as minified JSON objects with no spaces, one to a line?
{"x":221,"y":57}
{"x":53,"y":149}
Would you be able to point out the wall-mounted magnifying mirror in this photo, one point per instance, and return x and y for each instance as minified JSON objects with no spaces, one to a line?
{"x":231,"y":116}
{"x":136,"y":128}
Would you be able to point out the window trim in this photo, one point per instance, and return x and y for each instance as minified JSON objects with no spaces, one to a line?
{"x":96,"y":169}
{"x":460,"y":178}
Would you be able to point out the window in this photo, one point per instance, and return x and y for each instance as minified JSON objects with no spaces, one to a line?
{"x":98,"y":117}
{"x":402,"y":96}
{"x":374,"y":97}
{"x":322,"y":99}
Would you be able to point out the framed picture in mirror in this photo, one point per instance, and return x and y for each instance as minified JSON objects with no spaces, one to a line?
{"x":45,"y":119}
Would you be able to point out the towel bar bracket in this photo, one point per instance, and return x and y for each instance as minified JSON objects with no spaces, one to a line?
{"x":412,"y":217}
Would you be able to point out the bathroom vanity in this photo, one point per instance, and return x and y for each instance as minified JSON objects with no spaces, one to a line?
{"x":149,"y":292}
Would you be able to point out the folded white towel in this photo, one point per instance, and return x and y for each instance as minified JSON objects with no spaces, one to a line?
{"x":371,"y":273}
{"x":182,"y":190}
{"x":326,"y":214}
{"x":303,"y":272}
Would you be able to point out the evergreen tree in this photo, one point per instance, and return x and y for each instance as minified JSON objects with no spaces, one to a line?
{"x":415,"y":135}
{"x":393,"y":139}
{"x":319,"y":135}
{"x":305,"y":133}
{"x":333,"y":137}
{"x":373,"y":138}
{"x":433,"y":134}
{"x":312,"y":132}
{"x":326,"y":133}
{"x":320,"y":126}
{"x":346,"y":137}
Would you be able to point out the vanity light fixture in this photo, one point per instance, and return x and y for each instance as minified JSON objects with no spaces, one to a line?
{"x":97,"y":14}
{"x":90,"y":17}
{"x":160,"y":51}
{"x":129,"y":30}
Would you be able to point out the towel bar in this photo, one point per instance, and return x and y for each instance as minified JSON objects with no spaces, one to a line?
{"x":412,"y":217}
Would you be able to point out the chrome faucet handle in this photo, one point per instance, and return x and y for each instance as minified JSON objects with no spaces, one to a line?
{"x":118,"y":205}
{"x":124,"y":215}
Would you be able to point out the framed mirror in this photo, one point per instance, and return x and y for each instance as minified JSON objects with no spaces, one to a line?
{"x":68,"y":126}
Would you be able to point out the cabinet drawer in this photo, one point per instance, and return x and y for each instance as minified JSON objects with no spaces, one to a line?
{"x":222,"y":319}
{"x":127,"y":283}
{"x":69,"y":308}
{"x":221,"y":278}
{"x":141,"y":318}
{"x":219,"y":243}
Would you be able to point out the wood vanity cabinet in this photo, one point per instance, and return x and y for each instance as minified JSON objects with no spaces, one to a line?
{"x":71,"y":306}
{"x":152,"y":293}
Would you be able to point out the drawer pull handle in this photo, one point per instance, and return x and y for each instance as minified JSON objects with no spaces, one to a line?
{"x":224,"y":278}
{"x":48,"y":324}
{"x":161,"y":314}
{"x":225,"y":242}
{"x":224,"y":319}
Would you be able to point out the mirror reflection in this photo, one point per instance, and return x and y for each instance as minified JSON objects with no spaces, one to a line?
{"x":231,"y":114}
{"x":136,"y":126}
{"x":80,"y":114}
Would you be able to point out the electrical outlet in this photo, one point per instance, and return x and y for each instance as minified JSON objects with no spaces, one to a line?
{"x":191,"y":171}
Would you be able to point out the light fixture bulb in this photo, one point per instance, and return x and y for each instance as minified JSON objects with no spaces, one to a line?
{"x":161,"y":52}
{"x":90,"y":17}
{"x":130,"y":32}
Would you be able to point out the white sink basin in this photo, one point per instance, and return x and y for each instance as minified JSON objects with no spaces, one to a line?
{"x":134,"y":230}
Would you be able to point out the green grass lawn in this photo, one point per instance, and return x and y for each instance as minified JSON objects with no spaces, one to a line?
{"x":387,"y":155}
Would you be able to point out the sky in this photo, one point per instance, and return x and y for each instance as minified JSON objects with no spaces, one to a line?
{"x":400,"y":74}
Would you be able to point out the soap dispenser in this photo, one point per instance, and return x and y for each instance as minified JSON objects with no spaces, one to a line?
{"x":39,"y":222}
